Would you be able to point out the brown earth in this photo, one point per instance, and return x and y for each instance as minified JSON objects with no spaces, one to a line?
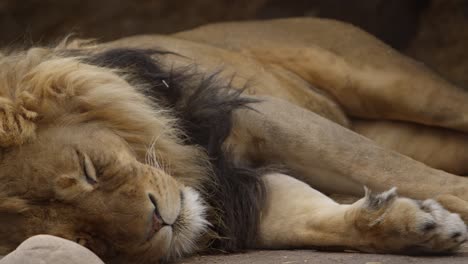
{"x":314,"y":257}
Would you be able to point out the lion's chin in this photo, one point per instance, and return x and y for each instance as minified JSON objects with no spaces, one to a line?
{"x":190,"y":225}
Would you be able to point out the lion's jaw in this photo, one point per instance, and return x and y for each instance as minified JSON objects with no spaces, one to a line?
{"x":112,"y":216}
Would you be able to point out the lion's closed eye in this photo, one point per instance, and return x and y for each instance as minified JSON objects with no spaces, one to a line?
{"x":88,"y":168}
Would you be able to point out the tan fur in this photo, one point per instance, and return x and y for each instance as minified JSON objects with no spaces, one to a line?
{"x":317,"y":81}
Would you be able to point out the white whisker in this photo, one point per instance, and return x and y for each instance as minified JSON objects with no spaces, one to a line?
{"x":151,"y":157}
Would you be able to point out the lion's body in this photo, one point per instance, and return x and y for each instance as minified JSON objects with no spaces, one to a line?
{"x":197,"y":151}
{"x":323,"y":66}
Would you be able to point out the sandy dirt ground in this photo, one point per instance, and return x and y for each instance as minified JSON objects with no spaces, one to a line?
{"x":315,"y":257}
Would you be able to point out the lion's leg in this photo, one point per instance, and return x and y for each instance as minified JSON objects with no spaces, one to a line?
{"x":297,"y":216}
{"x":368,"y":78}
{"x":394,"y":88}
{"x":330,"y":157}
{"x":437,"y":147}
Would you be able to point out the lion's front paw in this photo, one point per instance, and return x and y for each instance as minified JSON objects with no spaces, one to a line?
{"x":400,"y":225}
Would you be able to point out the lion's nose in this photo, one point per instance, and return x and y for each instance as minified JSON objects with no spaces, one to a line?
{"x":158,"y":222}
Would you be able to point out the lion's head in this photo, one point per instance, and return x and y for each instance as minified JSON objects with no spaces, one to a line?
{"x":86,"y":156}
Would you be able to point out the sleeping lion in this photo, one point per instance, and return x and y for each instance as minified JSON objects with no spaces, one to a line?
{"x":230,"y":137}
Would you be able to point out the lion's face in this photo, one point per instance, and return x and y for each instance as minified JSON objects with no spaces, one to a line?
{"x":85,"y":184}
{"x":82,"y":177}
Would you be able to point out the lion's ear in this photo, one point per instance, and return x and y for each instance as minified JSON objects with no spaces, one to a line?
{"x":16,"y":122}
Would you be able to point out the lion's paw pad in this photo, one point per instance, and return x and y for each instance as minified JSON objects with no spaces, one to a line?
{"x":409,"y":226}
{"x":448,"y":229}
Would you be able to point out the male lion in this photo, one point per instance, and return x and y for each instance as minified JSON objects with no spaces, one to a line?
{"x":228,"y":137}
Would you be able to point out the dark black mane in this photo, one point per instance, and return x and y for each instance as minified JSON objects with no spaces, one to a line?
{"x":204,"y":106}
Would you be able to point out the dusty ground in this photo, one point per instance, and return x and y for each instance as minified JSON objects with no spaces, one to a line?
{"x":308,"y":256}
